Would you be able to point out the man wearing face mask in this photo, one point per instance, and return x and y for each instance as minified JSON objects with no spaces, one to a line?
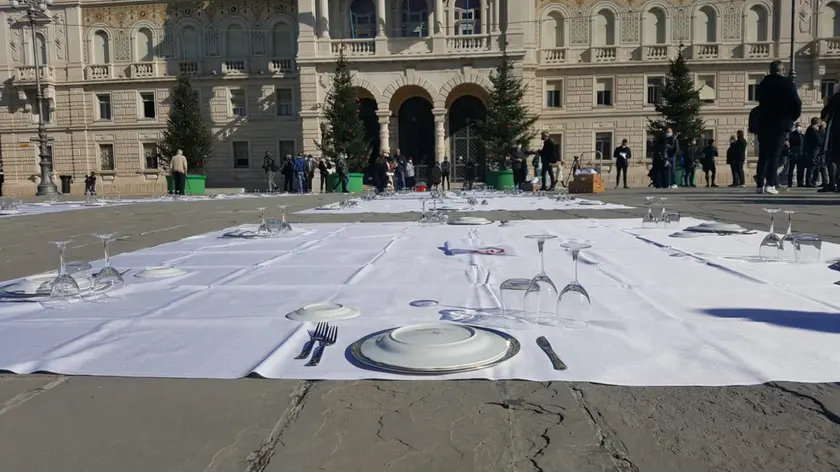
{"x":795,"y":140}
{"x":778,"y":106}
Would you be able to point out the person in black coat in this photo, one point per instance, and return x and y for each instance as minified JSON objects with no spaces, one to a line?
{"x":779,"y":106}
{"x":795,"y":139}
{"x":811,"y":145}
{"x":380,"y":174}
{"x":707,"y":160}
{"x":548,"y":156}
{"x":622,"y":155}
{"x":469,"y":174}
{"x":667,"y":149}
{"x":831,"y":114}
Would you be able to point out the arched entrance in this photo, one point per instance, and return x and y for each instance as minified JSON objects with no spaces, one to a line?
{"x":417,"y":134}
{"x":367,"y":113}
{"x":465,"y":144}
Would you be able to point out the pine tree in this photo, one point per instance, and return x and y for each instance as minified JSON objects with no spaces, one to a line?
{"x":506,"y":123}
{"x":679,"y":105}
{"x":344,"y":131}
{"x":185,"y":129}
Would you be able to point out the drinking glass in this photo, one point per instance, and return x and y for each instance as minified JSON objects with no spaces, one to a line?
{"x":771,"y":245}
{"x":808,"y":248}
{"x":543,"y":294}
{"x":649,"y":220}
{"x":574,"y":308}
{"x":663,"y":215}
{"x":284,"y":226}
{"x":262,"y":228}
{"x":64,"y":288}
{"x":108,"y":278}
{"x":512,"y":296}
{"x":788,"y":251}
{"x":273,"y":226}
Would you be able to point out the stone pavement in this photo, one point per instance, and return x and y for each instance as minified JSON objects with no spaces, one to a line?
{"x":89,"y":424}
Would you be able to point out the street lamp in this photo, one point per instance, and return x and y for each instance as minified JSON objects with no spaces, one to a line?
{"x":791,"y":70}
{"x":36,"y":12}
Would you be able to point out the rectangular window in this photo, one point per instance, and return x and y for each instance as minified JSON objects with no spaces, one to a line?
{"x":604,"y":144}
{"x":107,"y":160}
{"x":554,"y":94}
{"x":465,"y":22}
{"x":654,"y":89}
{"x":284,"y":102}
{"x":752,"y":86}
{"x":284,"y":148}
{"x":103,"y":101}
{"x":706,"y":88}
{"x":650,"y":145}
{"x":604,"y":92}
{"x":240,"y":155}
{"x":150,"y":158}
{"x":238,"y":103}
{"x":149,"y":107}
{"x":827,"y":88}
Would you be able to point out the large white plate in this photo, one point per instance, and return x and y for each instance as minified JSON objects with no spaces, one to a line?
{"x":323,"y":312}
{"x":470,"y":221}
{"x":159,"y":272}
{"x":435,"y":347}
{"x":715,"y":227}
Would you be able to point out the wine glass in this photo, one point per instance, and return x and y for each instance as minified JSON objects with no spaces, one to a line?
{"x":285,"y":226}
{"x":649,"y":219}
{"x":788,"y":251}
{"x":64,"y":289}
{"x":663,"y":215}
{"x":108,"y":278}
{"x":543,"y":293}
{"x":574,"y":308}
{"x":771,"y":245}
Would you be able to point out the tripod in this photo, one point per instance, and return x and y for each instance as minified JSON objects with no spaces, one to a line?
{"x":575,"y":168}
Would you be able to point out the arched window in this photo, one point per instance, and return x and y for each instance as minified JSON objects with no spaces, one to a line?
{"x":362,"y":19}
{"x":830,"y":18}
{"x":756,"y":26}
{"x":552,"y":34}
{"x":101,"y":48}
{"x":236,"y":42}
{"x":145,"y":45}
{"x":41,"y":48}
{"x":655,"y":26}
{"x":705,"y":26}
{"x":190,"y":45}
{"x":283,"y":42}
{"x":468,"y":17}
{"x":415,"y":18}
{"x":603,"y":33}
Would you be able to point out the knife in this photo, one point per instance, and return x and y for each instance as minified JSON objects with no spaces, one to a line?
{"x":552,"y":356}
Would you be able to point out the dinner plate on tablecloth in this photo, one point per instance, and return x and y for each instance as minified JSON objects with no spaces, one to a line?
{"x":317,"y":312}
{"x":160,"y":272}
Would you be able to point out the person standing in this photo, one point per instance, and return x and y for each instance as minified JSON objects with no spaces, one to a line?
{"x":270,"y":169}
{"x":90,"y":183}
{"x":324,"y":172}
{"x":689,"y":165}
{"x":380,"y":174}
{"x":622,"y":156}
{"x":779,"y":106}
{"x":178,"y":167}
{"x":409,"y":173}
{"x":311,"y":167}
{"x":445,"y":171}
{"x":437,"y":175}
{"x":519,"y":168}
{"x":399,"y":171}
{"x":288,"y":174}
{"x":2,"y":179}
{"x":820,"y":170}
{"x":548,"y":156}
{"x":343,"y":173}
{"x":665,"y":157}
{"x":795,"y":140}
{"x":709,"y":154}
{"x":469,"y":174}
{"x":299,"y":168}
{"x":810,"y":154}
{"x":831,"y":114}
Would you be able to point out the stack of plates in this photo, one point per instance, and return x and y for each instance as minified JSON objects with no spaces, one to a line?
{"x":323,"y":312}
{"x":714,"y":227}
{"x":434,"y":349}
{"x":470,"y":220}
{"x":159,"y":272}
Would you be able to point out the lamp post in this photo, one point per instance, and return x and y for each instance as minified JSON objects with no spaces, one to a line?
{"x":36,"y":12}
{"x":791,"y":70}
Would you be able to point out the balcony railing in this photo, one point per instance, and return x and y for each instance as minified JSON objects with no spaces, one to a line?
{"x":354,"y":47}
{"x":409,"y":46}
{"x":282,"y":66}
{"x":655,"y":53}
{"x":26,"y":74}
{"x":705,"y":51}
{"x":99,"y":72}
{"x":553,"y":56}
{"x":234,"y":67}
{"x":830,"y":47}
{"x":143,"y":70}
{"x":189,"y":67}
{"x":468,"y":42}
{"x":757,"y":50}
{"x":603,"y":54}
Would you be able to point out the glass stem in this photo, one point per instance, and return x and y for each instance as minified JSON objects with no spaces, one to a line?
{"x":575,"y":255}
{"x":61,"y":268}
{"x":772,"y":223}
{"x":107,"y":255}
{"x":790,"y":224}
{"x":540,"y":245}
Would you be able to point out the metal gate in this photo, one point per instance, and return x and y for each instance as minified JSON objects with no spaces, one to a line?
{"x":465,"y":146}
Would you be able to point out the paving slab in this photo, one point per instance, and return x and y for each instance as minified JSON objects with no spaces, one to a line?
{"x":58,"y":424}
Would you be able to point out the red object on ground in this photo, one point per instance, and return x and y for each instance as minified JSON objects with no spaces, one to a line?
{"x":419,"y":188}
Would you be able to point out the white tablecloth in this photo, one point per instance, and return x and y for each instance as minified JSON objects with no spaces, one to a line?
{"x":414,"y":203}
{"x":659,"y":317}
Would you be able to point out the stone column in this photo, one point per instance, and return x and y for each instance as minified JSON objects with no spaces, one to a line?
{"x":440,"y":22}
{"x":381,"y":15}
{"x":485,"y":21}
{"x":496,"y":17}
{"x":324,"y":18}
{"x":384,"y":130}
{"x":440,"y":133}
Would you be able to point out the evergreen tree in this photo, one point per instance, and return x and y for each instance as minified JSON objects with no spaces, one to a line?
{"x":506,"y":123}
{"x":678,"y":105}
{"x":343,"y":130}
{"x":185,"y":129}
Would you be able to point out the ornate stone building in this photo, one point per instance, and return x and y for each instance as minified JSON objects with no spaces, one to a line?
{"x":593,"y":70}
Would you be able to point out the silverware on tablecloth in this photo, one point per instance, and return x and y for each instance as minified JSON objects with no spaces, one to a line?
{"x":328,"y":340}
{"x":552,"y":356}
{"x":314,"y":335}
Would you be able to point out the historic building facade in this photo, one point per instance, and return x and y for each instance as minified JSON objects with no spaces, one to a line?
{"x":422,"y":67}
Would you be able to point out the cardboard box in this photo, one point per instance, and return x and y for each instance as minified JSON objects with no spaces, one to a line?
{"x":586,"y":183}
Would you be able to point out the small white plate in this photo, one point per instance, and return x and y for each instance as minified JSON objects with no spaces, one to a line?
{"x":435,"y":346}
{"x":323,"y":312}
{"x":159,"y":272}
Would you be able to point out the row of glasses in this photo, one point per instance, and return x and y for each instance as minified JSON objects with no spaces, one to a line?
{"x":65,"y":289}
{"x":800,"y":248}
{"x":10,"y":205}
{"x":272,"y":226}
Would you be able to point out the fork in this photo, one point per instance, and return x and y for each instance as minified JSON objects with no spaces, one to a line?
{"x":318,"y":334}
{"x":328,"y":340}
